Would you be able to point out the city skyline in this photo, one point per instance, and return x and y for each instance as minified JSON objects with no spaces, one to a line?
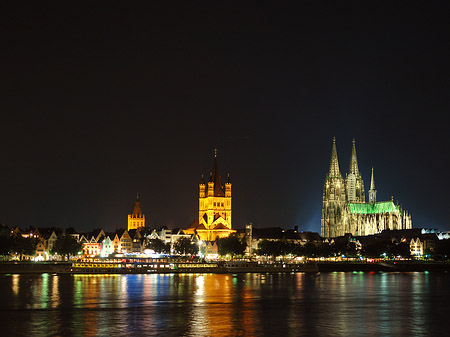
{"x":101,"y":103}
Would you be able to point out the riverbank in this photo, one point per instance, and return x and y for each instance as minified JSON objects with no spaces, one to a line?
{"x":323,"y":267}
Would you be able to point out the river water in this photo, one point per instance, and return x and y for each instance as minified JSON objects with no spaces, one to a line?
{"x":324,"y":304}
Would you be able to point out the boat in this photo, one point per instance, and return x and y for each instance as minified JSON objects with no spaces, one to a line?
{"x":259,"y":267}
{"x":143,"y":267}
{"x":181,"y":265}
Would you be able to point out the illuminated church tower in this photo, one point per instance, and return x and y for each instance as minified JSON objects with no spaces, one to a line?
{"x":354,"y":183}
{"x":334,"y":199}
{"x":214,"y":208}
{"x":136,"y":220}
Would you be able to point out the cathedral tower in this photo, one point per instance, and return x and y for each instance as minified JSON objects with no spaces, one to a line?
{"x":354,"y":183}
{"x":136,"y":220}
{"x":334,"y":198}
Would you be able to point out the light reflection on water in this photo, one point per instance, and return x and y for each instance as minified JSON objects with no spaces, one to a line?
{"x":327,"y":304}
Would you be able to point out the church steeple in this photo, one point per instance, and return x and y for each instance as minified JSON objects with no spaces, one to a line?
{"x":372,"y":181}
{"x":372,"y":191}
{"x":334,"y":164}
{"x":137,"y":206}
{"x":214,"y":207}
{"x":354,"y":161}
{"x":216,"y":179}
{"x":354,"y":182}
{"x":136,"y":220}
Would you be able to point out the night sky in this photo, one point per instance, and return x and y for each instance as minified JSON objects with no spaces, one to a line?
{"x":98,"y":104}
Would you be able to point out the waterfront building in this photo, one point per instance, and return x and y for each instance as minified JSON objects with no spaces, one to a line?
{"x":214,"y":211}
{"x":41,"y":251}
{"x":136,"y":220}
{"x":107,"y":247}
{"x":122,"y":242}
{"x":345,"y":210}
{"x":91,"y":242}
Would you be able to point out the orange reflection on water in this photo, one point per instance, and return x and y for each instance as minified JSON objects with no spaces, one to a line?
{"x":249,"y":322}
{"x":212,"y":305}
{"x":15,"y":284}
{"x":54,"y":298}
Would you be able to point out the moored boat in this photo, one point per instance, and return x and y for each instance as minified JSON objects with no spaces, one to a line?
{"x":257,"y":267}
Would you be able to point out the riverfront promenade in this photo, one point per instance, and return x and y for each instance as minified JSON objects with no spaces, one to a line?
{"x":383,"y":266}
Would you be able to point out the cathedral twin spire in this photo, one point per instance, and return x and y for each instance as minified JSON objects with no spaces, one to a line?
{"x":353,"y":181}
{"x":334,"y":164}
{"x":353,"y":161}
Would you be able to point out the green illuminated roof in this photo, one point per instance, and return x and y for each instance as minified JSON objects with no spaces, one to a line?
{"x":379,"y":207}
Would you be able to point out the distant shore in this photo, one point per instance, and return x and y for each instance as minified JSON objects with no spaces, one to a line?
{"x":342,"y":266}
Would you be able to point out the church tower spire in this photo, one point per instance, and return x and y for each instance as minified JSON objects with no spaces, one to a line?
{"x":334,"y":164}
{"x":354,"y":161}
{"x":372,"y":191}
{"x":334,"y":199}
{"x":136,"y":220}
{"x":214,"y":207}
{"x":354,"y":183}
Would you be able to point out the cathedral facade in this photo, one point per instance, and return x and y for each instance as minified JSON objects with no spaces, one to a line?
{"x":214,"y":208}
{"x":345,"y":209}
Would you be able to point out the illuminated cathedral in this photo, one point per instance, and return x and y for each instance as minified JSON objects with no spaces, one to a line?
{"x":214,"y":210}
{"x":345,"y":209}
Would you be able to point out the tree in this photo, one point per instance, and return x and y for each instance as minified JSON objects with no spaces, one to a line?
{"x":158,"y":246}
{"x":442,"y":250}
{"x":185,"y":246}
{"x":273,"y":248}
{"x":344,"y":247}
{"x":399,"y":249}
{"x":231,"y":245}
{"x":310,"y":250}
{"x":66,"y":245}
{"x":23,"y":246}
{"x":6,"y":244}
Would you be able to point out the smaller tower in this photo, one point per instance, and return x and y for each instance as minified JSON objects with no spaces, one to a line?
{"x":372,"y":191}
{"x":210,"y":185}
{"x":202,"y":188}
{"x":228,"y":187}
{"x":136,"y":220}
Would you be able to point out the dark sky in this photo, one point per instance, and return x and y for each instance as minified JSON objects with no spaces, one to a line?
{"x":98,"y":103}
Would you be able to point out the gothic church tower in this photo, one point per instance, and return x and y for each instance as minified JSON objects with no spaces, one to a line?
{"x":214,"y":207}
{"x":334,"y":198}
{"x":136,"y":220}
{"x":354,"y":183}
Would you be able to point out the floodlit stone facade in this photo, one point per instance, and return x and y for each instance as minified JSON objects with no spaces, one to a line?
{"x":136,"y":220}
{"x":214,"y":211}
{"x":344,"y":208}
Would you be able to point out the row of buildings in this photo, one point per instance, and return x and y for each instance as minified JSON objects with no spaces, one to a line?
{"x":97,"y":242}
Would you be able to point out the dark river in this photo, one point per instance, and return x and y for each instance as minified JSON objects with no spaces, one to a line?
{"x":326,"y":304}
